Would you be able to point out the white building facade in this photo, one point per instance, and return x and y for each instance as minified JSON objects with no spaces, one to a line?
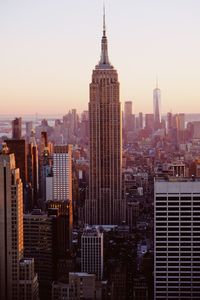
{"x":177,"y":239}
{"x":62,"y":173}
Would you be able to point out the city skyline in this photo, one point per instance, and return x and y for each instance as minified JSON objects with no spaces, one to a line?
{"x":50,"y":49}
{"x":99,"y":205}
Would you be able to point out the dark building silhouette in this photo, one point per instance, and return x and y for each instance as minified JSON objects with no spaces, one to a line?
{"x":17,"y":128}
{"x":19,"y":148}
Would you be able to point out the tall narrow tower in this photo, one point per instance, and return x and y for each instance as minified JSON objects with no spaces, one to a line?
{"x":156,"y":106}
{"x":11,"y":226}
{"x":104,"y":205}
{"x":17,"y":128}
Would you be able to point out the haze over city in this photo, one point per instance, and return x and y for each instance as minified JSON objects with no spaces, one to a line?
{"x":98,"y":200}
{"x":48,"y":50}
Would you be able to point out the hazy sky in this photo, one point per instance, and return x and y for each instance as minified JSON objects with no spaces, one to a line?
{"x":48,"y":49}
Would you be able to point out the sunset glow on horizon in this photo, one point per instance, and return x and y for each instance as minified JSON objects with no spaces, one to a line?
{"x":49,"y":49}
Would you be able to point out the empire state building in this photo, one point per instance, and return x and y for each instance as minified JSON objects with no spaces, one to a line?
{"x":105,"y":204}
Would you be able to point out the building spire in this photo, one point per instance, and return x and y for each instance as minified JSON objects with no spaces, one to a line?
{"x":104,"y":20}
{"x":157,"y":81}
{"x":104,"y":60}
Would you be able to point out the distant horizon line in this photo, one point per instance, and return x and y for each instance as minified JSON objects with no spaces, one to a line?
{"x":61,"y":114}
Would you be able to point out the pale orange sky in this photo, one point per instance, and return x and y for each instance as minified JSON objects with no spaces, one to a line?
{"x":49,"y":48}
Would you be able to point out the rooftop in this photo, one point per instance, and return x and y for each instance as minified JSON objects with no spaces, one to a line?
{"x":177,"y":179}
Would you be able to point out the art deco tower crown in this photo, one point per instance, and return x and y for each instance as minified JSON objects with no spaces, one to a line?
{"x":104,"y":60}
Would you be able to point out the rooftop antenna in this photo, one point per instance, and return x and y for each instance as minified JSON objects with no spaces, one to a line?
{"x":104,"y":19}
{"x":157,"y":81}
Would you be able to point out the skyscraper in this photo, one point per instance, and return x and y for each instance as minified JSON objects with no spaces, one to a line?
{"x":33,"y":170}
{"x":149,"y":122}
{"x":11,"y":226}
{"x":19,"y":148}
{"x":12,"y":283}
{"x":62,"y":173}
{"x":140,"y":120}
{"x":28,"y":283}
{"x":128,"y":116}
{"x":156,"y":107}
{"x":17,"y":128}
{"x":62,"y":192}
{"x":92,"y":251}
{"x":39,"y":237}
{"x":105,"y":179}
{"x":176,"y":239}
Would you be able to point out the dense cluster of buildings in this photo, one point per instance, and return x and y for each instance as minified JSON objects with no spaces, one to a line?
{"x":101,"y":206}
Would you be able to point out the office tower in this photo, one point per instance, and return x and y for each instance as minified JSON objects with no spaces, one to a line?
{"x":70,"y":127}
{"x":92,"y":251}
{"x":140,"y":120}
{"x":75,"y":120}
{"x":149,"y":122}
{"x":62,"y":173}
{"x":169,"y":121}
{"x":180,"y":121}
{"x":105,"y":179}
{"x":33,"y":170}
{"x":19,"y":148}
{"x":129,"y":118}
{"x":58,"y":132}
{"x":176,"y":239}
{"x":11,"y":225}
{"x":156,"y":107}
{"x":196,"y":130}
{"x":43,"y":140}
{"x":43,"y":155}
{"x":12,"y":284}
{"x":17,"y":128}
{"x":29,"y":128}
{"x":28,"y":281}
{"x":40,"y":243}
{"x":84,"y":126}
{"x":43,"y":127}
{"x":46,"y":172}
{"x":64,"y":213}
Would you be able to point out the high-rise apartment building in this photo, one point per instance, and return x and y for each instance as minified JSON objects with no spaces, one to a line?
{"x":156,"y":107}
{"x":17,"y":128}
{"x":177,"y":239}
{"x":11,"y":225}
{"x":62,"y":173}
{"x":92,"y":251}
{"x":104,"y":205}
